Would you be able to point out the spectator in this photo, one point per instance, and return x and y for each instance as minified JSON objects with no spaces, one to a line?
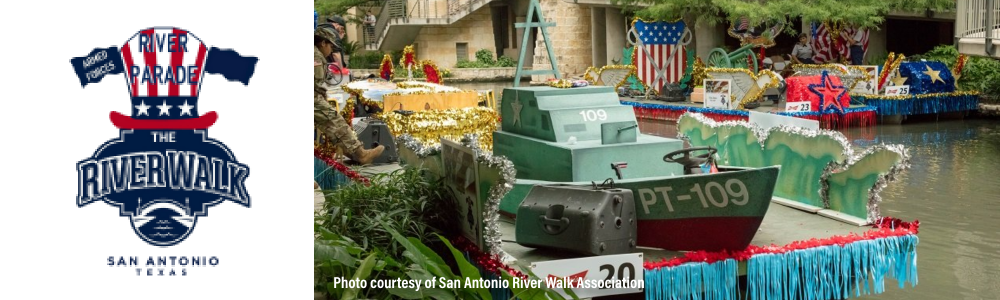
{"x":339,"y":27}
{"x":370,"y":27}
{"x":857,"y":48}
{"x":802,"y":53}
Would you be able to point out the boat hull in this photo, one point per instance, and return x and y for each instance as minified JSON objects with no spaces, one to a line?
{"x":720,"y":211}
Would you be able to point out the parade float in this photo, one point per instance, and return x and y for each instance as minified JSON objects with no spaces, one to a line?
{"x":919,"y":87}
{"x":734,"y":249}
{"x":661,"y":67}
{"x":426,"y":110}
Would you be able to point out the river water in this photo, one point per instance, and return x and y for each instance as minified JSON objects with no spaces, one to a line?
{"x":952,"y":188}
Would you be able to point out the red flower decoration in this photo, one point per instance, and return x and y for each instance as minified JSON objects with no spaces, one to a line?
{"x":385,"y":69}
{"x":431,"y":70}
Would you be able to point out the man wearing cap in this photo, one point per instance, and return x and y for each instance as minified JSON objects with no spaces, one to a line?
{"x":339,"y":27}
{"x":325,"y":117}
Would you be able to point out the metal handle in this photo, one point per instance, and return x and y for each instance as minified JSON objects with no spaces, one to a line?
{"x":554,"y":226}
{"x":553,"y":221}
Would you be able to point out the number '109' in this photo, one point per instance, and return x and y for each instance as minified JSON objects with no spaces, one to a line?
{"x":591,"y":115}
{"x":735,"y":192}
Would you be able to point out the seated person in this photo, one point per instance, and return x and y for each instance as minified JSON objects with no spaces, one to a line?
{"x":802,"y":53}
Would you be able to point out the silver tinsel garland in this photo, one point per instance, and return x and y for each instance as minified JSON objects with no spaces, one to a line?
{"x":491,"y":211}
{"x":835,"y":167}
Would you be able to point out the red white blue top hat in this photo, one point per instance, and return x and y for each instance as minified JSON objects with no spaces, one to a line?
{"x":164,"y":68}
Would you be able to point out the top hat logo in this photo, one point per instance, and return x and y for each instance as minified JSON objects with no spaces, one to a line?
{"x":163,"y":172}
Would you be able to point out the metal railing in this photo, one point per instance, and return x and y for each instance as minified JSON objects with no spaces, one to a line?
{"x":978,"y":19}
{"x":402,"y":11}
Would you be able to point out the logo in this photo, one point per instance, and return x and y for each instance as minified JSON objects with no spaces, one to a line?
{"x":163,"y":172}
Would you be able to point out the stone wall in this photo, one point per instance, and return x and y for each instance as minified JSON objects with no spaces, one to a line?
{"x":570,"y":39}
{"x":439,"y":43}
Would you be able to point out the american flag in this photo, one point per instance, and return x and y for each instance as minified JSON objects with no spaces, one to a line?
{"x":827,"y":49}
{"x":744,"y":24}
{"x":661,"y":58}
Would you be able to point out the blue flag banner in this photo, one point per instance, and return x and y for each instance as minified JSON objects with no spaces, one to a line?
{"x":231,"y":65}
{"x":100,"y":62}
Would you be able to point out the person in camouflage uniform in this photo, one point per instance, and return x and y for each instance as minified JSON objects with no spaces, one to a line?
{"x":325,"y":116}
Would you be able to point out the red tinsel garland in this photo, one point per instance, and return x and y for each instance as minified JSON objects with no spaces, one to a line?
{"x":890,"y":222}
{"x":673,"y":115}
{"x":341,"y":168}
{"x":960,"y":64}
{"x":491,"y":263}
{"x":899,"y":229}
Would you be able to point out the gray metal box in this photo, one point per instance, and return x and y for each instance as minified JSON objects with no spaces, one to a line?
{"x":578,"y":219}
{"x":374,"y":132}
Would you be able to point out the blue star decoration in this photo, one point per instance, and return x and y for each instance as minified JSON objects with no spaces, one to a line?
{"x":824,"y":89}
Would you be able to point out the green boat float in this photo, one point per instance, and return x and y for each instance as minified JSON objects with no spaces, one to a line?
{"x":584,"y":136}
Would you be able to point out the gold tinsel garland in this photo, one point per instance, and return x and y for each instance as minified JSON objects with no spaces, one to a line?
{"x":698,"y":73}
{"x":759,"y":91}
{"x":591,"y":79}
{"x":891,"y":64}
{"x":408,"y":50}
{"x":561,"y":83}
{"x":923,"y":96}
{"x":429,"y":126}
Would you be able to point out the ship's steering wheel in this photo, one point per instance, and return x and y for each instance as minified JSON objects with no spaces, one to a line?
{"x":688,"y":160}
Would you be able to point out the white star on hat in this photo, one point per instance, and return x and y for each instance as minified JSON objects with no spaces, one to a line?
{"x":164,"y":109}
{"x":143,"y":108}
{"x":186,"y":109}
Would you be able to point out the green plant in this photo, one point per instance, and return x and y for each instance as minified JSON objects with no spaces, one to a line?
{"x":350,"y":48}
{"x":365,"y":60}
{"x":470,"y":64}
{"x":485,"y":56}
{"x":362,"y":237}
{"x":991,"y":87}
{"x":403,"y":198}
{"x":336,"y":256}
{"x":865,"y":13}
{"x":484,"y":59}
{"x":506,"y":62}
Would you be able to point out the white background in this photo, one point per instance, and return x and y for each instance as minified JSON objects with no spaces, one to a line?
{"x":50,"y":248}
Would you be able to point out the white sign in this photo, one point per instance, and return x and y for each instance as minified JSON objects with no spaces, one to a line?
{"x":870,"y":86}
{"x":593,"y":276}
{"x":767,"y":120}
{"x":897,"y":90}
{"x":461,"y":174}
{"x":798,"y":106}
{"x":717,"y":93}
